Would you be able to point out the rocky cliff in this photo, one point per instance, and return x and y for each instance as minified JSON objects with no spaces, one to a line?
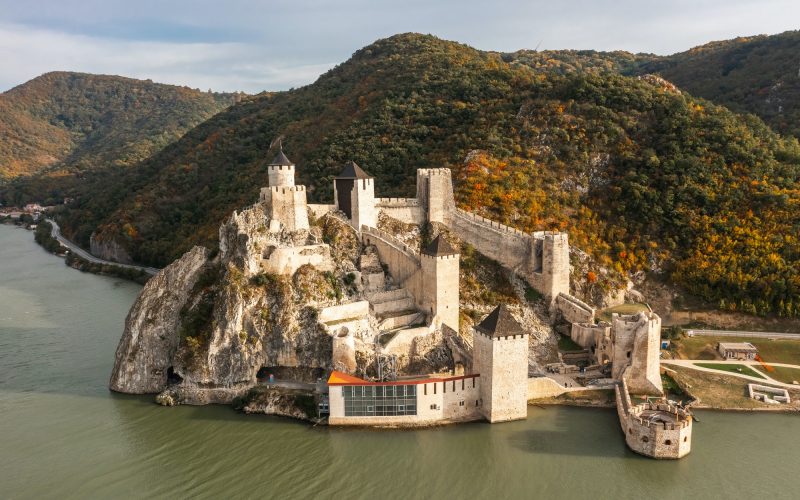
{"x":206,"y":326}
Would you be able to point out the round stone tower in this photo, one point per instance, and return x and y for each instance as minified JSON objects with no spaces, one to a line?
{"x":281,"y":171}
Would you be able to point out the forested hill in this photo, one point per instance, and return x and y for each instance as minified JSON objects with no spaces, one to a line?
{"x":642,"y":175}
{"x":759,"y":74}
{"x":77,"y":122}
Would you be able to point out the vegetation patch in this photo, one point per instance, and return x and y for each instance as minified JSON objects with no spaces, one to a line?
{"x":783,"y":374}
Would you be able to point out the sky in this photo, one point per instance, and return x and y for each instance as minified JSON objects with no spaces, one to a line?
{"x":256,"y":45}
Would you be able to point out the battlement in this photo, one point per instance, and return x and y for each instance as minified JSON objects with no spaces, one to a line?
{"x":396,"y":202}
{"x":433,"y":171}
{"x":280,"y":168}
{"x":489,"y":223}
{"x":442,"y":257}
{"x":286,"y":189}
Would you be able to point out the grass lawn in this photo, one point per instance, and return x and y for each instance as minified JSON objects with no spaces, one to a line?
{"x":605,"y":314}
{"x":567,"y":344}
{"x":741,"y":369}
{"x":716,"y":391}
{"x":782,"y":373}
{"x":771,"y":351}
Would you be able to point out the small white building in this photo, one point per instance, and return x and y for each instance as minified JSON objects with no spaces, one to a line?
{"x":737,"y":350}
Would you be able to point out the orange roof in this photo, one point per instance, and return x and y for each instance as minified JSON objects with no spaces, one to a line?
{"x":339,"y":378}
{"x":343,"y":378}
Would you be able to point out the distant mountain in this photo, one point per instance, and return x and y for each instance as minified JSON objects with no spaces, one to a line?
{"x":642,"y":175}
{"x":75,"y":122}
{"x":758,"y":74}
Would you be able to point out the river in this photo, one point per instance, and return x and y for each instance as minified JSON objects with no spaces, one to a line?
{"x":64,"y":435}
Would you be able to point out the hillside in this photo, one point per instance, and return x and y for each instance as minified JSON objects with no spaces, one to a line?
{"x":758,"y":74}
{"x":73,"y":122}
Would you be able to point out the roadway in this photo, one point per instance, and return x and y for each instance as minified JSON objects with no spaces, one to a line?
{"x":55,"y":232}
{"x":736,"y":333}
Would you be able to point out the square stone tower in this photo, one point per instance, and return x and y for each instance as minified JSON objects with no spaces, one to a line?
{"x":440,"y":281}
{"x":500,"y":356}
{"x":555,"y":264}
{"x":435,"y":193}
{"x":354,"y":194}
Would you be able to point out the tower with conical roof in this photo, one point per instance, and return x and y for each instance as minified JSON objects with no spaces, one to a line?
{"x":354,"y":194}
{"x":284,"y":202}
{"x":440,"y":282}
{"x":281,"y":170}
{"x":500,"y":356}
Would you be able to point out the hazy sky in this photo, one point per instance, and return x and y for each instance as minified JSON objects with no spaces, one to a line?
{"x":255,"y":45}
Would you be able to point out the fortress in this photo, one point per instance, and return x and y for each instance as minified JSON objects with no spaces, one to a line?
{"x":409,"y":296}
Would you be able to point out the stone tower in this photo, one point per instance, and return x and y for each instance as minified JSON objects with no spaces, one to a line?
{"x":440,"y":282}
{"x":281,"y":171}
{"x":500,"y":356}
{"x":550,"y":261}
{"x":284,"y":202}
{"x":354,"y":194}
{"x":637,"y":344}
{"x":435,"y":193}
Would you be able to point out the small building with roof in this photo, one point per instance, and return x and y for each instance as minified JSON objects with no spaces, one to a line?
{"x":737,"y":350}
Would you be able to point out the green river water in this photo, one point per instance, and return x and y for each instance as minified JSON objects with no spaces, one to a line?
{"x":64,"y":435}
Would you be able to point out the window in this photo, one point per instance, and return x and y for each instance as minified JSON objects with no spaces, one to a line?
{"x":425,"y":388}
{"x":685,"y":438}
{"x":645,"y":439}
{"x":667,"y":442}
{"x":473,"y":382}
{"x":460,"y":403}
{"x":462,"y":384}
{"x":380,"y":401}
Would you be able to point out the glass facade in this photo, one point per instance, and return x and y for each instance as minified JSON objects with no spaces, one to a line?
{"x":379,"y":400}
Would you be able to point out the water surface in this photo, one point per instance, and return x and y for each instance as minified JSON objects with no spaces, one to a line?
{"x":64,"y":435}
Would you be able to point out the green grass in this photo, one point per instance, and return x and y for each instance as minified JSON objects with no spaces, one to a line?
{"x":567,"y":344}
{"x":605,"y":314}
{"x":740,"y":369}
{"x":771,"y":351}
{"x":782,"y":373}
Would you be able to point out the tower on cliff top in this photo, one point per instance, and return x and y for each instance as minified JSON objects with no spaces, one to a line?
{"x":440,"y":282}
{"x":285,"y":203}
{"x":281,"y":171}
{"x":354,"y":194}
{"x":500,"y":356}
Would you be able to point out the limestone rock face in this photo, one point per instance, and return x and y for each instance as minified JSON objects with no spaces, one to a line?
{"x":150,"y":340}
{"x":108,"y":249}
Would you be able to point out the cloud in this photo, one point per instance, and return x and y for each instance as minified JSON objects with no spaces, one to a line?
{"x":255,"y":45}
{"x":28,"y":52}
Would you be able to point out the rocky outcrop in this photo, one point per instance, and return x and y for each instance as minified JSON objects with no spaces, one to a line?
{"x":108,"y":249}
{"x":150,"y":340}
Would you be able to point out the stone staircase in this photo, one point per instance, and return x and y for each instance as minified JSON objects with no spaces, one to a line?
{"x":395,"y":309}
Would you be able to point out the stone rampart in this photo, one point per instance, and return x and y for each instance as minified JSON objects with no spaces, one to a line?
{"x":352,"y":310}
{"x":574,"y":310}
{"x":408,"y":210}
{"x":403,"y":261}
{"x":544,"y":387}
{"x":508,"y":246}
{"x":318,"y":210}
{"x":287,"y":260}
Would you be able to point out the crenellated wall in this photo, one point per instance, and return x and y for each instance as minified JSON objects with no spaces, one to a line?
{"x":402,"y":261}
{"x":637,"y":344}
{"x":656,"y":429}
{"x":406,"y":210}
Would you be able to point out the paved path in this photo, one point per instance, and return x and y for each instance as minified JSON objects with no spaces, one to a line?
{"x":692,"y":363}
{"x":55,"y":232}
{"x":735,"y":333}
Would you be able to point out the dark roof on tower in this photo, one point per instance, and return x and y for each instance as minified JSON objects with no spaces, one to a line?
{"x":500,"y":323}
{"x":281,"y":159}
{"x":439,"y":247}
{"x":353,"y":171}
